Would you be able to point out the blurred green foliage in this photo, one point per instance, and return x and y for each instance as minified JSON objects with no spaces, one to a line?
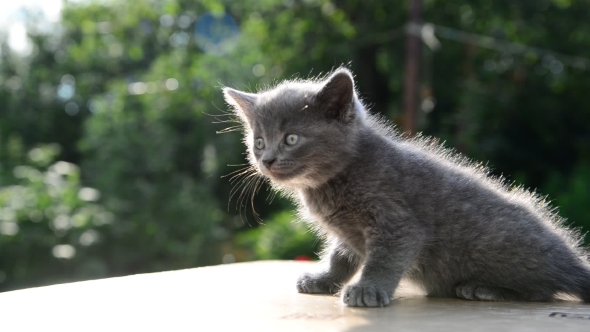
{"x":281,"y":238}
{"x":49,"y":223}
{"x":109,"y":159}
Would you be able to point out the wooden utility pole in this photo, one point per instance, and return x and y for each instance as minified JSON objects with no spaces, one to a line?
{"x":413,"y":51}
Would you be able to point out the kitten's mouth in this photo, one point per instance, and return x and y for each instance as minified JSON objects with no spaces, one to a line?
{"x":284,"y":174}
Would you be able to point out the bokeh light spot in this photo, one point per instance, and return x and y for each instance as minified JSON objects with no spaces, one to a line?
{"x":137,"y":88}
{"x":256,"y":16}
{"x":68,"y":79}
{"x":556,"y":67}
{"x":64,"y":251}
{"x":92,"y":105}
{"x":209,"y":164}
{"x":328,"y":9}
{"x":217,"y":35}
{"x":428,"y":104}
{"x":65,"y":91}
{"x":258,"y":70}
{"x":228,"y":259}
{"x":102,"y":218}
{"x":88,"y":194}
{"x":171,"y":84}
{"x":14,"y":83}
{"x":61,"y":222}
{"x":104,"y":27}
{"x":179,"y":39}
{"x":72,"y":108}
{"x":184,"y":21}
{"x":88,"y":237}
{"x":36,"y":216}
{"x":63,"y":168}
{"x":166,"y":20}
{"x":115,"y":50}
{"x":18,"y":39}
{"x":8,"y":228}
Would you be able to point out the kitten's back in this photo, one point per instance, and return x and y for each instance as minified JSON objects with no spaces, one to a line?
{"x":479,"y":225}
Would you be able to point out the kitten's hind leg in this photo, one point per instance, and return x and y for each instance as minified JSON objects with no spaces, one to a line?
{"x":479,"y":292}
{"x":339,"y":265}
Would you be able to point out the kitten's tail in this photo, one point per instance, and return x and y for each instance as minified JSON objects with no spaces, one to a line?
{"x":573,"y":278}
{"x":585,"y":293}
{"x":583,"y":283}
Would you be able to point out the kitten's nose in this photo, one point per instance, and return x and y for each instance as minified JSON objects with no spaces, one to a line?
{"x":268,"y":162}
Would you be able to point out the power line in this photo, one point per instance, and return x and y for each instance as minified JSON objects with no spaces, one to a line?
{"x":429,"y":33}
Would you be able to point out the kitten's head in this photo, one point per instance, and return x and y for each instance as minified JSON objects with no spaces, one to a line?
{"x":301,"y":134}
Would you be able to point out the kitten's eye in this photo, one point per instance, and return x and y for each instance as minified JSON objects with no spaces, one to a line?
{"x":292,"y":139}
{"x":259,"y":143}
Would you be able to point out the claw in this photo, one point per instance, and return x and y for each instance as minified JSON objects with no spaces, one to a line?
{"x":314,"y":284}
{"x":365,"y":296}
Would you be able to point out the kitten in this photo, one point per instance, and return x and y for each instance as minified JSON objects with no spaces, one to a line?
{"x":397,"y":207}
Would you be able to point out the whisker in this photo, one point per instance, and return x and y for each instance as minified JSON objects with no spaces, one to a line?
{"x":229,"y":130}
{"x":242,"y":198}
{"x":239,"y":185}
{"x":261,"y":180}
{"x":225,"y":121}
{"x":244,"y":173}
{"x":243,"y":184}
{"x":246,"y":189}
{"x":243,"y":169}
{"x":246,"y":184}
{"x":239,"y":208}
{"x":223,"y":114}
{"x":254,"y":192}
{"x":240,"y":177}
{"x":232,"y":192}
{"x":272,"y":195}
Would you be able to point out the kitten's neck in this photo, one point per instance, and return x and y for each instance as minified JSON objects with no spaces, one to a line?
{"x":339,"y":172}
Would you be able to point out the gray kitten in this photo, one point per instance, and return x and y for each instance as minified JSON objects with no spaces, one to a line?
{"x":399,"y":207}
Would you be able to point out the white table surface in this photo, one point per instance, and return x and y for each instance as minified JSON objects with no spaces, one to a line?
{"x":259,"y":296}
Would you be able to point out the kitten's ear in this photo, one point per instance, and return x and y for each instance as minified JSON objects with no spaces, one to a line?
{"x":337,"y":95}
{"x":242,"y":102}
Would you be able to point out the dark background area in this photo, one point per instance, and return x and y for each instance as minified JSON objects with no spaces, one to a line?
{"x":109,"y":159}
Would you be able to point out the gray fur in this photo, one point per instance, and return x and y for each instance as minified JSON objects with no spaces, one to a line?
{"x":399,"y":207}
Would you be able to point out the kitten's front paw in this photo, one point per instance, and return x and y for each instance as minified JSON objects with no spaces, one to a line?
{"x":315,"y":284}
{"x":362,"y":295}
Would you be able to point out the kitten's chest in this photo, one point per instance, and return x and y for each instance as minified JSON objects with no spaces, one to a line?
{"x":320,"y":206}
{"x":323,"y":203}
{"x":337,"y":210}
